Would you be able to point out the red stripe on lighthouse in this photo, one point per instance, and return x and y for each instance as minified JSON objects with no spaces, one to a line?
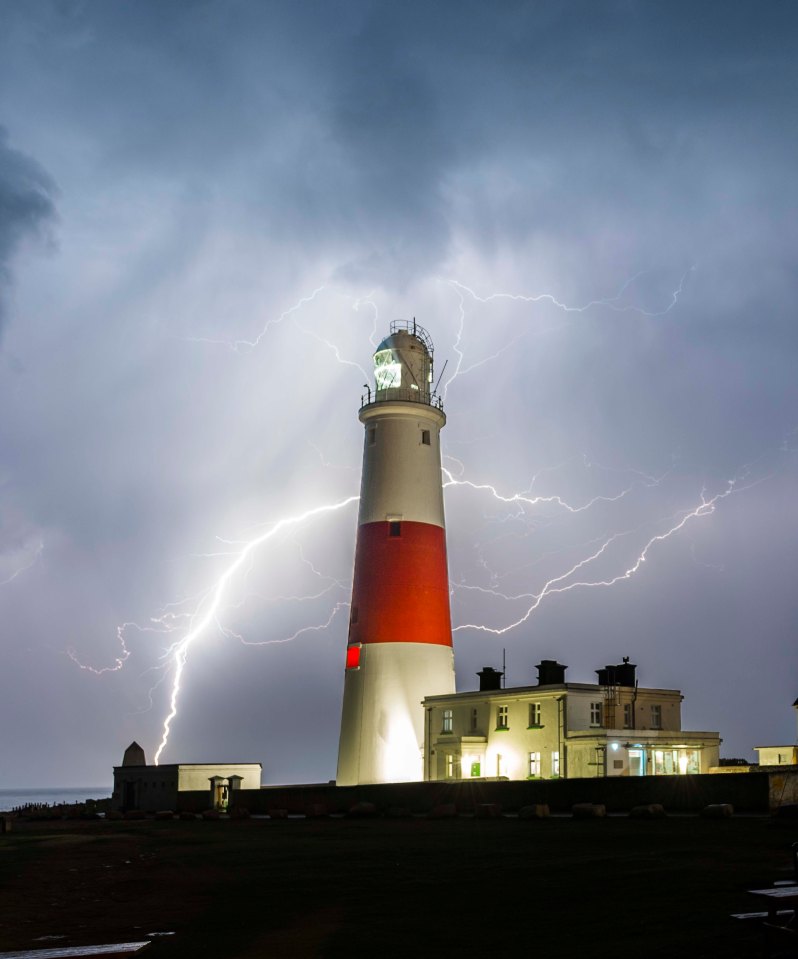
{"x":400,"y":592}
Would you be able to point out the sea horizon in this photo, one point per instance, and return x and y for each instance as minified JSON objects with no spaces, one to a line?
{"x":50,"y":795}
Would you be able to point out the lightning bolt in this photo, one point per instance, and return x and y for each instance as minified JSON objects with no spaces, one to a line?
{"x":529,"y":500}
{"x":247,"y":346}
{"x":706,"y":507}
{"x":612,"y":302}
{"x":25,"y":567}
{"x":208,"y":609}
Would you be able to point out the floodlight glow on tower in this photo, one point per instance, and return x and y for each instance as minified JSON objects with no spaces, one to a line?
{"x":400,"y":634}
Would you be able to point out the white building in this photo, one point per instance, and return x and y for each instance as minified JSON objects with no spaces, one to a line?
{"x":780,"y":755}
{"x":562,"y":730}
{"x":152,"y":788}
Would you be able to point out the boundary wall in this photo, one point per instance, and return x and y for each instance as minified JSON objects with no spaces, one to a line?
{"x":752,"y":793}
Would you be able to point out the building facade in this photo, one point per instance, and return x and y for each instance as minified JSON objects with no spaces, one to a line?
{"x":557,"y":729}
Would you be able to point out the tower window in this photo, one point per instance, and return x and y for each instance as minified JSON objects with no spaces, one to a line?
{"x":396,"y":528}
{"x":425,"y":437}
{"x":353,"y":617}
{"x":372,"y":435}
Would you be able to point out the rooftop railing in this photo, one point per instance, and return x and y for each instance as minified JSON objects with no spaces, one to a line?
{"x":402,"y":394}
{"x":410,"y":326}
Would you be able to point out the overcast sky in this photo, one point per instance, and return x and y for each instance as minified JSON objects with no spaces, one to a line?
{"x":209,"y":214}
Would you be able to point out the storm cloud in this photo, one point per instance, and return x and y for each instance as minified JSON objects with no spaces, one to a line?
{"x":26,"y":208}
{"x":592,"y":209}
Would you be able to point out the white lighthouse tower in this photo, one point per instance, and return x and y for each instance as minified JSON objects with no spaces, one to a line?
{"x":400,"y":634}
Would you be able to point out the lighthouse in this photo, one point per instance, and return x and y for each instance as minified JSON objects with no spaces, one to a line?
{"x":400,"y":635}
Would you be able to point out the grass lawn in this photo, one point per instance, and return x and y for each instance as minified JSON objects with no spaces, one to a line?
{"x":383,"y":888}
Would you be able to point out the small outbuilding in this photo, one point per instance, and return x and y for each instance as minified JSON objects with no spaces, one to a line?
{"x":150,"y":788}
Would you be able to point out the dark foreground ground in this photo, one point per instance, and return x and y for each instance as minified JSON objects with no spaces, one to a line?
{"x":384,"y":888}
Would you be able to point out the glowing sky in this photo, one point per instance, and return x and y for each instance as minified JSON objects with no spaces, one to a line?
{"x":209,"y":214}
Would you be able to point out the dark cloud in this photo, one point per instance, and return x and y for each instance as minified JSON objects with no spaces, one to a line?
{"x":218,"y":162}
{"x":27,"y":207}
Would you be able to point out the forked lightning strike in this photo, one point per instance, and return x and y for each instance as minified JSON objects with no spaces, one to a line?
{"x":705,"y":508}
{"x":612,"y":302}
{"x":25,"y":566}
{"x":179,"y":651}
{"x":529,"y":500}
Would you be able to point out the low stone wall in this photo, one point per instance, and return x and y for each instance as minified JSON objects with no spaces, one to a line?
{"x":751,"y":793}
{"x":783,"y":784}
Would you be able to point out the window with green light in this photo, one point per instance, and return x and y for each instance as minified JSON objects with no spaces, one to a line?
{"x":387,"y":370}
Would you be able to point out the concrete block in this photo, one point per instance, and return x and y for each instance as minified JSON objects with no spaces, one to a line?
{"x":210,"y":814}
{"x":487,"y":810}
{"x":652,"y":810}
{"x":722,"y":810}
{"x":316,"y":810}
{"x":443,"y":811}
{"x":362,"y":810}
{"x":588,"y":810}
{"x":538,"y":810}
{"x":277,"y":813}
{"x":164,"y":814}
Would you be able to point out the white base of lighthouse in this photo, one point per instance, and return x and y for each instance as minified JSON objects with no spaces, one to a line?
{"x":382,"y":725}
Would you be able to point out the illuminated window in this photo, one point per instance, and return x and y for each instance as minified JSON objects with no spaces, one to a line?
{"x":637,"y":762}
{"x":656,"y":717}
{"x":555,"y":763}
{"x":387,"y":370}
{"x":372,"y":435}
{"x":502,"y":717}
{"x":447,"y":721}
{"x":595,"y":714}
{"x":474,"y":719}
{"x":396,"y":528}
{"x":627,"y":715}
{"x":425,"y":437}
{"x":534,"y":714}
{"x":534,"y":764}
{"x":449,"y":766}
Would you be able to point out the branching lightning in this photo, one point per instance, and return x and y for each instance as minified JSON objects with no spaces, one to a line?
{"x":529,"y":500}
{"x":208,"y":610}
{"x":612,"y":302}
{"x":25,"y":566}
{"x":247,"y":346}
{"x":555,"y":585}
